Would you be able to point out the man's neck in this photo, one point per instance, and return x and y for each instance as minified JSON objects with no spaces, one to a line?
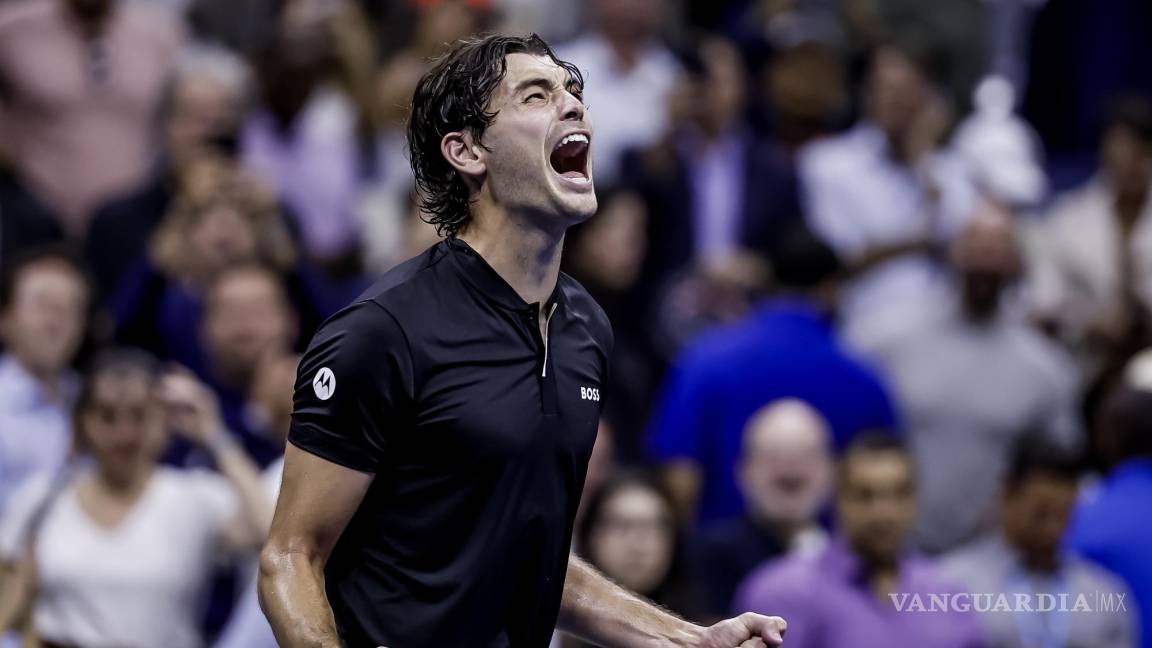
{"x":525,"y":256}
{"x":52,"y":382}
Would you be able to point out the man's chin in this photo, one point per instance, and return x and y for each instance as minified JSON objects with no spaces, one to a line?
{"x":578,"y":208}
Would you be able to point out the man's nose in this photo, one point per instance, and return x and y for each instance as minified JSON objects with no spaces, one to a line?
{"x":573,"y":108}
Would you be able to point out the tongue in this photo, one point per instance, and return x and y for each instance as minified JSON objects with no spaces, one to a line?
{"x":568,"y":160}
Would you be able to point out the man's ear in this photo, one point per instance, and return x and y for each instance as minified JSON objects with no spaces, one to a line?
{"x":464,"y":153}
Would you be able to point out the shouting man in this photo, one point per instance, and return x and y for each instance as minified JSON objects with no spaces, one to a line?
{"x":443,"y":422}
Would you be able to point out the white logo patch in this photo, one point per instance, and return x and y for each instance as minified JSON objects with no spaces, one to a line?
{"x":590,"y":393}
{"x":324,"y":384}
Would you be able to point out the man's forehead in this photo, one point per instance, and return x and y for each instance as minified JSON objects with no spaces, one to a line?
{"x":521,"y":66}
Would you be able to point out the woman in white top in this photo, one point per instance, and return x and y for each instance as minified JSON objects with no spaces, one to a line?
{"x":117,"y":551}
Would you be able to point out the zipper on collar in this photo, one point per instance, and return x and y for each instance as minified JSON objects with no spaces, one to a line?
{"x":547,"y":321}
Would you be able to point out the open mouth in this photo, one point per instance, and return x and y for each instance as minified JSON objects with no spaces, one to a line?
{"x":570,"y":157}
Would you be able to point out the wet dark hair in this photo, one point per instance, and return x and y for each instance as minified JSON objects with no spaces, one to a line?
{"x":454,"y":96}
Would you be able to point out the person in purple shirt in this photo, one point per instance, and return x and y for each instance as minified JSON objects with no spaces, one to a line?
{"x":850,"y":594}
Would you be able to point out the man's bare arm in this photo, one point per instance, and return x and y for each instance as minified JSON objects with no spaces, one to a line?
{"x":600,"y":611}
{"x":317,"y":499}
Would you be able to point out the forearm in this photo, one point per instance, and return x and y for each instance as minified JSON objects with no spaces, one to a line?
{"x":600,"y":611}
{"x":291,"y":588}
{"x":234,"y":463}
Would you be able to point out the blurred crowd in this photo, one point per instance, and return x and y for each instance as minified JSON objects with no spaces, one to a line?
{"x":880,"y":273}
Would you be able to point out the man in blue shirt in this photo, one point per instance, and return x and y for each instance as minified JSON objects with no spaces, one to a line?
{"x":785,"y":349}
{"x":1112,"y":526}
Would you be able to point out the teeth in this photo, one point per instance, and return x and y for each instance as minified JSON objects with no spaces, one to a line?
{"x":574,"y":137}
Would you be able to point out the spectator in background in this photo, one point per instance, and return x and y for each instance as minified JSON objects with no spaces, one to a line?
{"x":247,"y":317}
{"x":1025,"y":557}
{"x":629,"y":533}
{"x":222,"y":218}
{"x":316,"y":102}
{"x":44,"y":302}
{"x":1093,"y":278}
{"x":1111,"y":525}
{"x":713,"y":186}
{"x":629,"y":76}
{"x":80,"y":84}
{"x":785,"y":475}
{"x":885,"y":194}
{"x":120,"y":549}
{"x":843,"y":595}
{"x":786,"y":349}
{"x":802,"y":94}
{"x":971,"y":379}
{"x":203,"y":107}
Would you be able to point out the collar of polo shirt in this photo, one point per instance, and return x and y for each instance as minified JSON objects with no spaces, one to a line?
{"x":483,"y":278}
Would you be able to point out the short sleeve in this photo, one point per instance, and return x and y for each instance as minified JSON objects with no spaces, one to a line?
{"x":216,"y":500}
{"x":354,"y":388}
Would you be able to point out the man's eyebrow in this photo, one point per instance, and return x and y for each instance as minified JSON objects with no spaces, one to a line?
{"x":547,"y":84}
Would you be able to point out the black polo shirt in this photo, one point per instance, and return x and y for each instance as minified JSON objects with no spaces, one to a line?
{"x":438,"y":382}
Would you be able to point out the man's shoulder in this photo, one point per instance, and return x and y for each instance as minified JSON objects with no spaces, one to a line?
{"x":393,"y":300}
{"x":396,"y":289}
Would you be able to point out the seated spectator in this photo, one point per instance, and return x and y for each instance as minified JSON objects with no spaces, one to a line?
{"x":786,"y":349}
{"x":1093,"y":259}
{"x":200,"y":117}
{"x":846,"y":594}
{"x":1013,"y":380}
{"x":1112,"y":526}
{"x":886,"y":193}
{"x":117,"y":551}
{"x":222,"y":218}
{"x":1024,"y":556}
{"x":629,"y":533}
{"x":80,"y":85}
{"x":785,"y":475}
{"x":44,"y":301}
{"x":629,"y":77}
{"x":316,"y":98}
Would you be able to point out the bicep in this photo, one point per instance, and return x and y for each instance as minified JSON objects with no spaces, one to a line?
{"x":317,"y":500}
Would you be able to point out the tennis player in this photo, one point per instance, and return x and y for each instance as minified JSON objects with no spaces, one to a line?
{"x":443,"y":422}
